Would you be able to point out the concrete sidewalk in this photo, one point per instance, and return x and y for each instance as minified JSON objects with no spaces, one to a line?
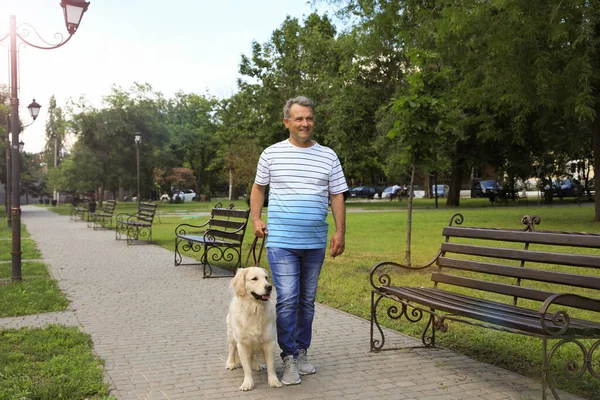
{"x":161,"y":330}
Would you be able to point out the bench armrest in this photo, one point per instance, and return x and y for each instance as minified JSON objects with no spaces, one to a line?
{"x":181,"y":228}
{"x":209,"y":235}
{"x":379,"y":275}
{"x":122,"y":217}
{"x":560,"y":320}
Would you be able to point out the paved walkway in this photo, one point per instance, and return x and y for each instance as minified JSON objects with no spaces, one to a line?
{"x":161,"y":330}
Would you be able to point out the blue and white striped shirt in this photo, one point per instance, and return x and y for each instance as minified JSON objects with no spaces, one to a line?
{"x":300,"y":180}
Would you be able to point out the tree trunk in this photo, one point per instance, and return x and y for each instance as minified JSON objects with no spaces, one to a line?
{"x":456,"y":177}
{"x":596,"y":146}
{"x":230,"y":185}
{"x":409,"y":218}
{"x":101,"y":196}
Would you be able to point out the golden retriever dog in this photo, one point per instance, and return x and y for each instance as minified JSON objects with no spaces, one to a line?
{"x":251,"y":325}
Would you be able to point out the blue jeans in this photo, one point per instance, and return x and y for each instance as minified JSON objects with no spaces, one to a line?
{"x":295,"y":276}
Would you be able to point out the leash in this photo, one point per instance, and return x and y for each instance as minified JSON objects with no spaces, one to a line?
{"x":253,"y":251}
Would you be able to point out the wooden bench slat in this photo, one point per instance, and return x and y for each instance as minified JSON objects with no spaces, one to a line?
{"x":506,"y":235}
{"x":471,"y":307}
{"x":579,"y":260}
{"x":561,"y":278}
{"x":512,"y":290}
{"x":235,"y":225}
{"x":231,"y":213}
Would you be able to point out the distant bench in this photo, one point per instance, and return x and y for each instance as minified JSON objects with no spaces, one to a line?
{"x":81,"y":211}
{"x":221,"y":236}
{"x":527,"y":282}
{"x":136,"y":227}
{"x":102,"y":219}
{"x":505,"y":195}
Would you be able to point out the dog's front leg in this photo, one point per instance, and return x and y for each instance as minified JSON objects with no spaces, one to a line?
{"x":269,"y":352}
{"x":233,"y":361}
{"x":246,"y":359}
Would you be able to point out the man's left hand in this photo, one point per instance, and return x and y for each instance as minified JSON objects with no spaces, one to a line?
{"x":337,"y":244}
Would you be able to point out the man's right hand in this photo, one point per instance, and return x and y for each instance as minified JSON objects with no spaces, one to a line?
{"x":260,"y":229}
{"x":257,"y":199}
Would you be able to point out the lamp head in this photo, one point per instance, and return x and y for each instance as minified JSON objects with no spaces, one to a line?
{"x":34,"y":109}
{"x":73,"y":11}
{"x":138,"y":137}
{"x":21,"y":145}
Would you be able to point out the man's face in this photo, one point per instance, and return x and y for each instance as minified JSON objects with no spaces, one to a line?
{"x":300,"y":124}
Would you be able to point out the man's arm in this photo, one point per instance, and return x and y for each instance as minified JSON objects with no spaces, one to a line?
{"x":257,"y":199}
{"x":338,"y":208}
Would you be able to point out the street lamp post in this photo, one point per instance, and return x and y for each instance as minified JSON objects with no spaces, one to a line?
{"x":7,"y":141}
{"x":34,"y":111}
{"x":138,"y":140}
{"x":73,"y":12}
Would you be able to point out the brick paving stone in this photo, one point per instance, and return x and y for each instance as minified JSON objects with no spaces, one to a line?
{"x":161,"y":331}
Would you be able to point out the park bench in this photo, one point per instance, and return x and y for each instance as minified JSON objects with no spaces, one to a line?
{"x":218,"y":239}
{"x":102,"y":219}
{"x":81,"y":211}
{"x":543,"y":284}
{"x":549,"y":195}
{"x":504,"y":195}
{"x":136,"y":227}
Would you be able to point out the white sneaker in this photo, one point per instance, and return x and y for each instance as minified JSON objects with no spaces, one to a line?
{"x":290,"y":371}
{"x":304,"y":367}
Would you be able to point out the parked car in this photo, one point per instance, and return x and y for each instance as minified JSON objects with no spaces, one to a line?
{"x":565,"y":188}
{"x":392,"y":192}
{"x":442,"y":190}
{"x":165,"y":197}
{"x":485,"y":188}
{"x":365,"y":192}
{"x":184,"y":195}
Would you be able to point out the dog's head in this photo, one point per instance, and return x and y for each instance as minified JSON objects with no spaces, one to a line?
{"x":253,"y":281}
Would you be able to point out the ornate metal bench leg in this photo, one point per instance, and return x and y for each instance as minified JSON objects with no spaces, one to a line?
{"x":178,"y":257}
{"x":545,"y":367}
{"x":376,"y":344}
{"x":429,"y":341}
{"x":206,"y":268}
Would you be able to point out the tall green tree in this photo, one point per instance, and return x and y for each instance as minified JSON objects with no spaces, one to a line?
{"x":423,"y":123}
{"x":55,"y":134}
{"x":192,"y":133}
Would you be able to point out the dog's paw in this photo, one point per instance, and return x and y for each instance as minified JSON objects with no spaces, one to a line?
{"x":232,"y":366}
{"x":247,"y":385}
{"x":274,"y":383}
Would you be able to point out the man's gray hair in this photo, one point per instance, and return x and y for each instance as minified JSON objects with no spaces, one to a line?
{"x":300,"y":100}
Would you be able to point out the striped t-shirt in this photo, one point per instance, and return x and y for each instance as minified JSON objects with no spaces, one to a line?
{"x":300,"y":180}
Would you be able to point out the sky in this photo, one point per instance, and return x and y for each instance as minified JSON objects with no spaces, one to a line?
{"x":194,"y":46}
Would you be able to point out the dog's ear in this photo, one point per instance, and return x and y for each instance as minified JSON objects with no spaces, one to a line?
{"x":238,"y":282}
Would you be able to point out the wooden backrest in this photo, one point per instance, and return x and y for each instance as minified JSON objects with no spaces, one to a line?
{"x":146,"y":212}
{"x":522,"y":264}
{"x":109,"y":206}
{"x":228,"y":223}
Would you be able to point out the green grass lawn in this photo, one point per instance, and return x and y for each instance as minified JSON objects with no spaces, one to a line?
{"x":51,"y":363}
{"x":37,"y":292}
{"x":378,"y":236}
